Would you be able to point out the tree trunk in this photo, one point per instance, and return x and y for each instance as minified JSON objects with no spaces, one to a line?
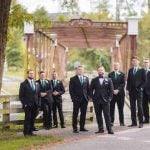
{"x":4,"y":15}
{"x":148,"y":5}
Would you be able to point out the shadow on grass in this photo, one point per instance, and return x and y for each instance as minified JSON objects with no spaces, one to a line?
{"x":11,"y":140}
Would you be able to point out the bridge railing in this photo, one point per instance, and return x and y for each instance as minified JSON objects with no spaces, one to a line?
{"x":7,"y":109}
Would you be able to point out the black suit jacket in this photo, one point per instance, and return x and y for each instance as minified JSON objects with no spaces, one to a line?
{"x":59,"y":88}
{"x":77,"y":91}
{"x":118,"y":83}
{"x":147,"y":84}
{"x":46,"y":89}
{"x":101,"y":93}
{"x":27,"y":96}
{"x":137,"y":81}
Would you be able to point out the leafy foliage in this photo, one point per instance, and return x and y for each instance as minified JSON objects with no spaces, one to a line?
{"x":91,"y":58}
{"x":144,"y":37}
{"x":42,"y":17}
{"x":18,"y":15}
{"x":15,"y":49}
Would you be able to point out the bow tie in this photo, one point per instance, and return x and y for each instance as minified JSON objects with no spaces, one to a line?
{"x":101,"y":77}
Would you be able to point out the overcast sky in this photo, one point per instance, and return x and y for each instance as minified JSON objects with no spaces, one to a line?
{"x":53,"y":6}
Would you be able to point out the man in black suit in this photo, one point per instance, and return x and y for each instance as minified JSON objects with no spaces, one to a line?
{"x":101,"y":90}
{"x":118,"y":79}
{"x":29,"y":97}
{"x":146,"y":92}
{"x":135,"y":84}
{"x":79,"y":92}
{"x":46,"y":99}
{"x":58,"y":91}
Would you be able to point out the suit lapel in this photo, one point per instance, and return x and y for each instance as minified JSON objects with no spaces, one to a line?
{"x":78,"y":80}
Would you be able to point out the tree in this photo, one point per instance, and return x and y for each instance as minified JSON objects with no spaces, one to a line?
{"x":149,"y":5}
{"x":41,"y":16}
{"x":15,"y":49}
{"x":144,"y":37}
{"x":70,"y":6}
{"x":4,"y":16}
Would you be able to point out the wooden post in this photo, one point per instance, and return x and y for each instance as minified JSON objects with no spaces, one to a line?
{"x":6,"y":115}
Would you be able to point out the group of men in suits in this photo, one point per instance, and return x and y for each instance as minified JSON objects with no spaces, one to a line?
{"x":107,"y":91}
{"x":104,"y":91}
{"x":42,"y":94}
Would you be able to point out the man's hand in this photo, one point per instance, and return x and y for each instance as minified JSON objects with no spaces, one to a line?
{"x":43,"y":94}
{"x":116,"y":92}
{"x":55,"y":93}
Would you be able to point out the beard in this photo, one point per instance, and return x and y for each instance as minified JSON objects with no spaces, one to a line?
{"x":30,"y":78}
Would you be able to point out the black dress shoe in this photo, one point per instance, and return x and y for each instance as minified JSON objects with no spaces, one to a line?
{"x":55,"y":126}
{"x":84,"y":130}
{"x":110,"y":131}
{"x":35,"y":129}
{"x":30,"y":134}
{"x":122,"y":124}
{"x":63,"y":126}
{"x":132,"y":125}
{"x":100,"y":131}
{"x":140,"y":125}
{"x":75,"y":131}
{"x":47,"y":128}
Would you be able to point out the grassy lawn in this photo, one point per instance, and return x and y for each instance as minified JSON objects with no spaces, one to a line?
{"x":11,"y":140}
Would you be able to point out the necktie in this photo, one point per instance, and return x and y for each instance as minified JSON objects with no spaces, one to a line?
{"x":100,"y":76}
{"x":134,"y":71}
{"x":32,"y":85}
{"x":116,"y":75}
{"x":54,"y":82}
{"x":43,"y":83}
{"x":146,"y":70}
{"x":81,"y":80}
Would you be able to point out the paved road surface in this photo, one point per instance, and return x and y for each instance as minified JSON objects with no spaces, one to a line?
{"x":130,"y":139}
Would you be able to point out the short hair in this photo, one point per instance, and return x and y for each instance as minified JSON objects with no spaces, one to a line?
{"x":146,"y":60}
{"x":100,"y":66}
{"x":54,"y":72}
{"x":135,"y":57}
{"x":80,"y":66}
{"x":41,"y":72}
{"x":29,"y":70}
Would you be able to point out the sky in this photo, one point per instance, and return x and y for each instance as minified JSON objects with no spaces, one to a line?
{"x":53,"y":6}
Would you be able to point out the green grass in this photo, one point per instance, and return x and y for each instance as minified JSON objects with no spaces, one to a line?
{"x":11,"y":140}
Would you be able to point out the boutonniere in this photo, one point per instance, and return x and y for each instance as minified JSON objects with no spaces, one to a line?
{"x":46,"y":81}
{"x":105,"y":79}
{"x":118,"y":73}
{"x":58,"y":81}
{"x":84,"y":78}
{"x":36,"y":83}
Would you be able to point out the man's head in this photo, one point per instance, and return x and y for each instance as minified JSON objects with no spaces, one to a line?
{"x":42,"y":75}
{"x":101,"y":70}
{"x":54,"y":75}
{"x":80,"y":70}
{"x":116,"y":66}
{"x":30,"y":74}
{"x":146,"y":63}
{"x":135,"y":61}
